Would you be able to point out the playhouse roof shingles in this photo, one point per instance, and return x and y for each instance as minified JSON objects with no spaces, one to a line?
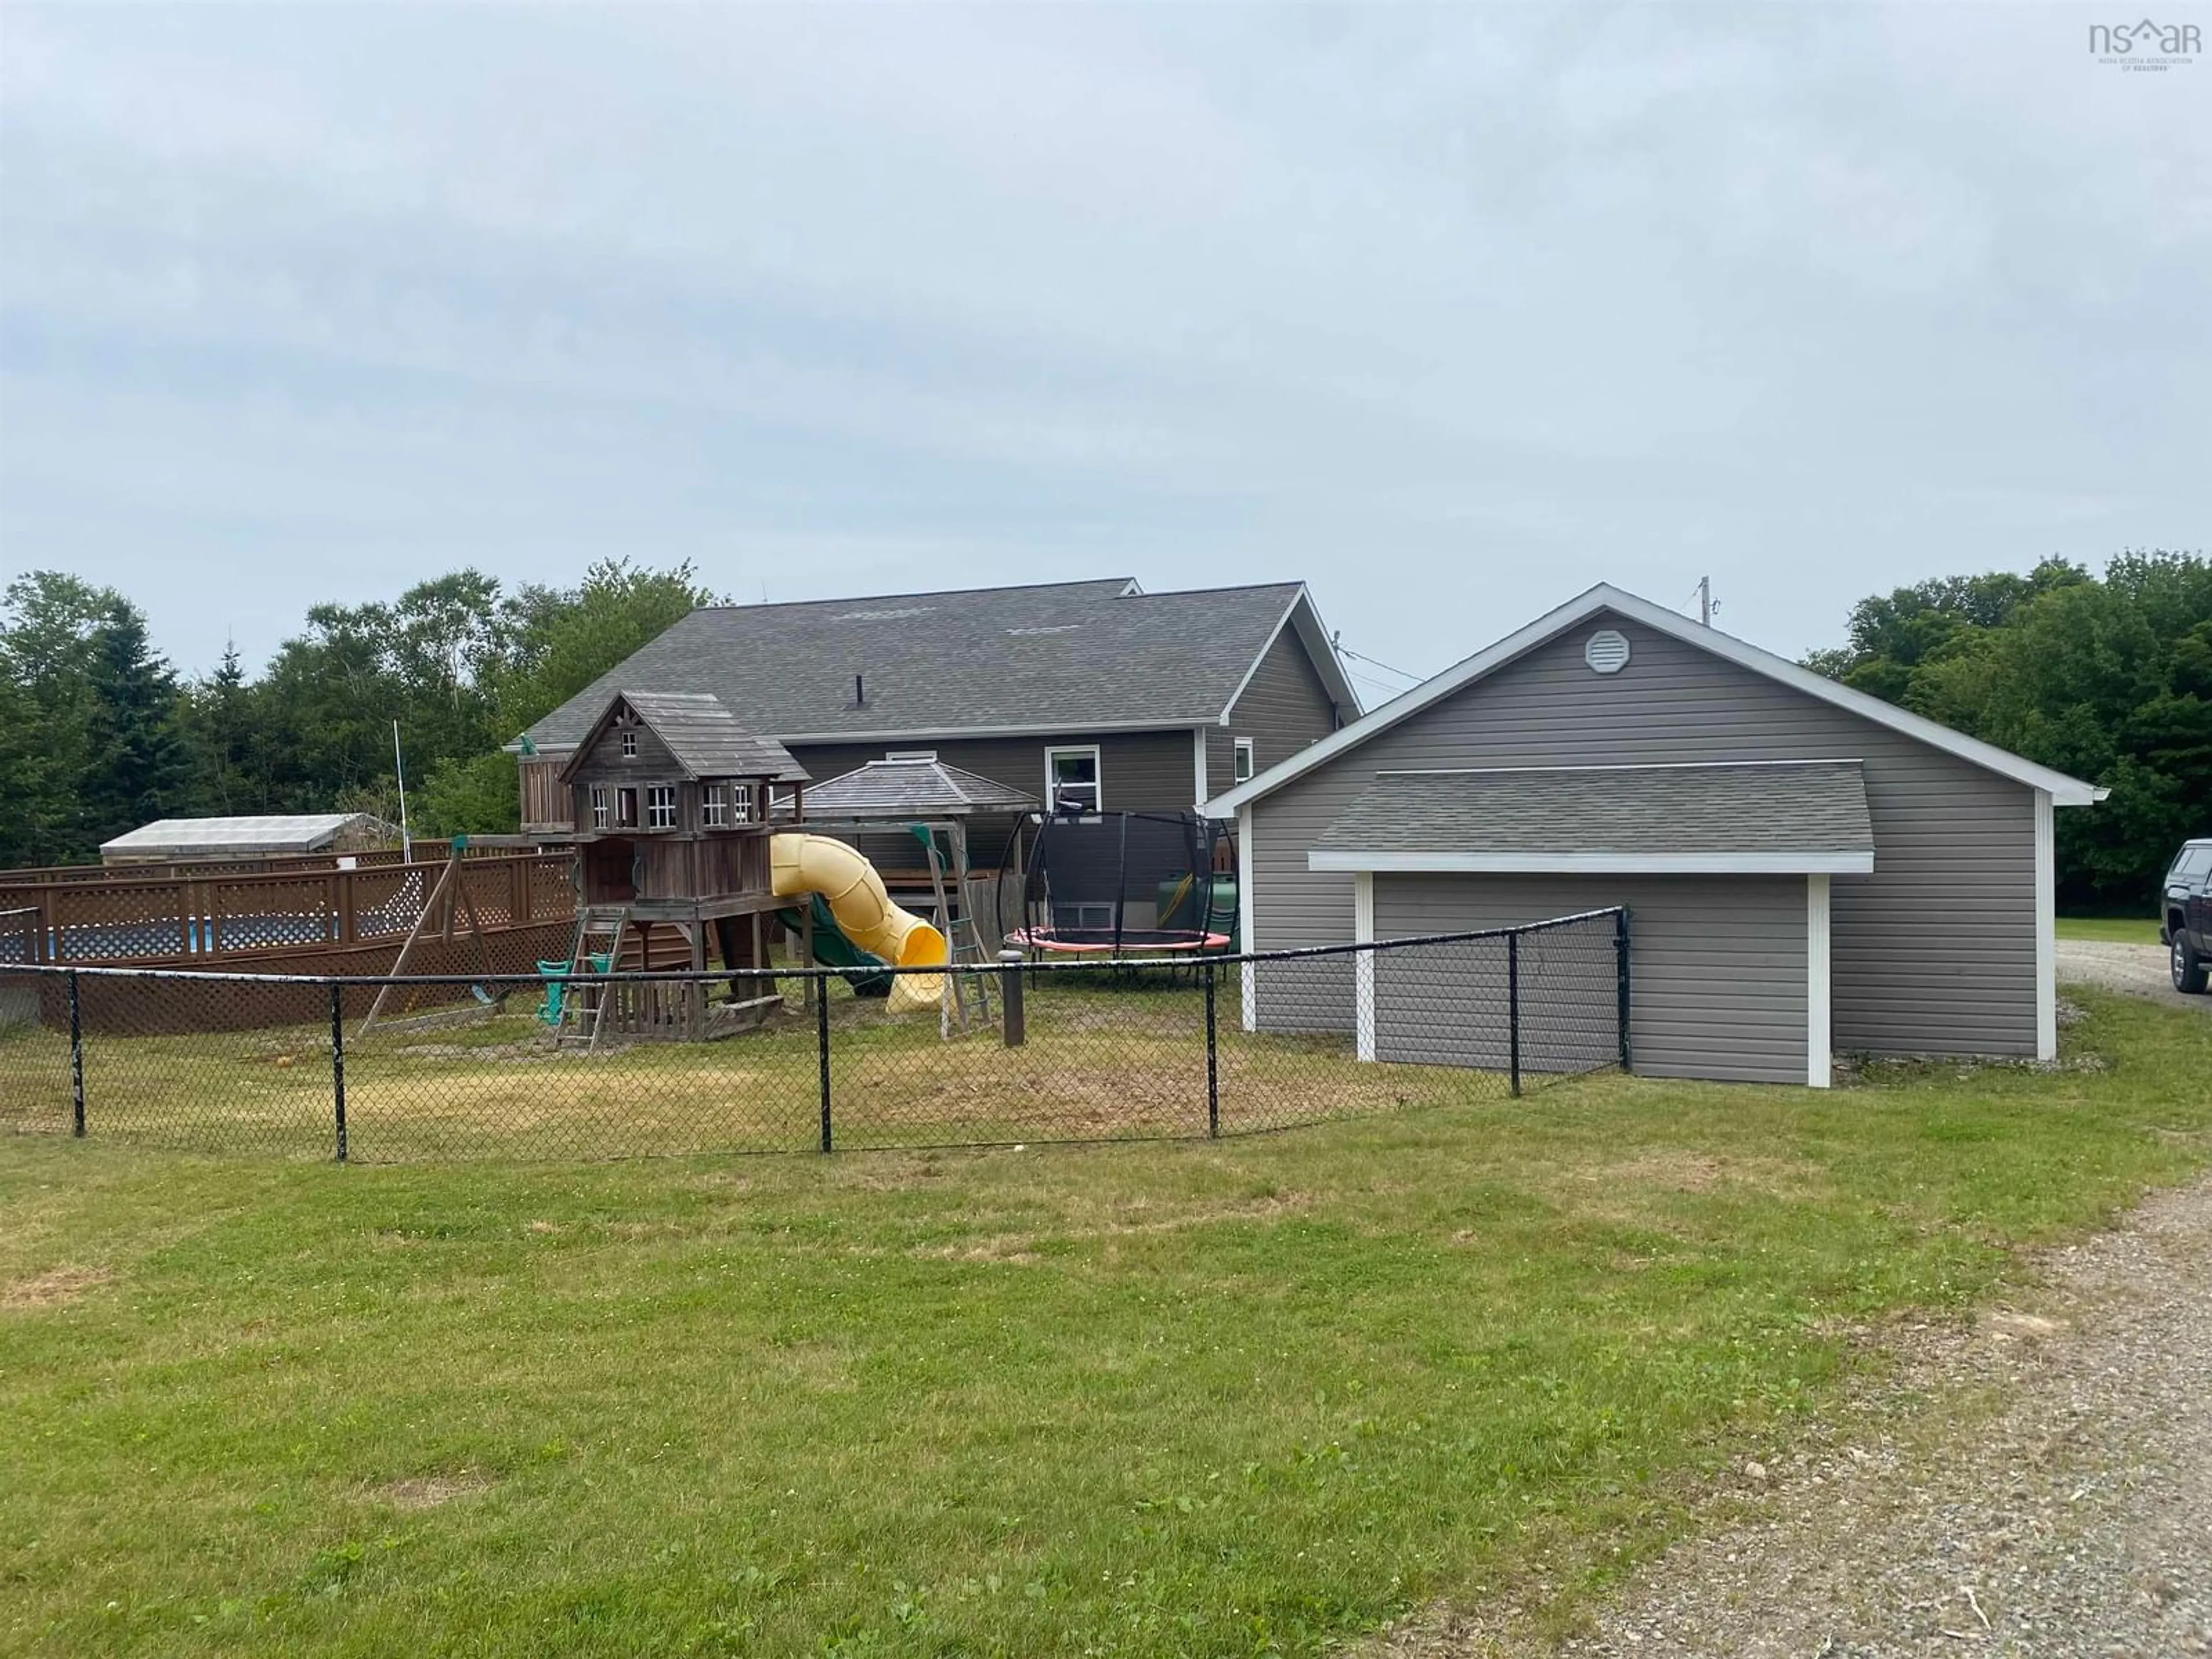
{"x":1073,"y":656}
{"x":707,"y":740}
{"x":1815,"y":807}
{"x":891,"y":788}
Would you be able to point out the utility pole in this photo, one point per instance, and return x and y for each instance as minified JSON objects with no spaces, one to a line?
{"x":1704,"y":601}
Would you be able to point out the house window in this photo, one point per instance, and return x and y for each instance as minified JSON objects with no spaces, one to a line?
{"x":714,"y":806}
{"x":1072,"y":779}
{"x":910,"y":754}
{"x":660,"y":806}
{"x":625,"y":809}
{"x":1244,"y":759}
{"x":630,"y":745}
{"x":602,"y":810}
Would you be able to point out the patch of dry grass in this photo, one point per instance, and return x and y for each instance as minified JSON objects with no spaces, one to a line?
{"x":56,"y":1287}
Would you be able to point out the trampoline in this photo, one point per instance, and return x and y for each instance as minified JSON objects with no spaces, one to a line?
{"x":1098,"y":941}
{"x":1125,"y":885}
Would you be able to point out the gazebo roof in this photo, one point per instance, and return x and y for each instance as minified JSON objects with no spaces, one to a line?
{"x":912,"y":788}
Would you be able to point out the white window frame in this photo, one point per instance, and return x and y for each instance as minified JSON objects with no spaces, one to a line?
{"x":629,"y":745}
{"x":660,"y":806}
{"x":714,"y":805}
{"x":910,"y":754}
{"x":603,"y":807}
{"x":741,"y":803}
{"x":625,"y":795}
{"x":1247,"y":761}
{"x":1052,"y":785}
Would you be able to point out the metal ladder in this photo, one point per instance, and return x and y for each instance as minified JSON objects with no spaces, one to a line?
{"x":599,"y":931}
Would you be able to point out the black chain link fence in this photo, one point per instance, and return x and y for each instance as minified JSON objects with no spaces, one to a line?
{"x":446,"y":1067}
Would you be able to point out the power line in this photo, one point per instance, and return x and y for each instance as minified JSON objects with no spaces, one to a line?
{"x":1336,"y":642}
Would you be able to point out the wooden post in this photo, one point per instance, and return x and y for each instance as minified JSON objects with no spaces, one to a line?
{"x":348,"y":920}
{"x":1012,"y":1018}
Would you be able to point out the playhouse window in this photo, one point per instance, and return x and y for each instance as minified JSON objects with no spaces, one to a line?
{"x":741,"y":803}
{"x":602,"y":808}
{"x":629,"y":743}
{"x":1244,"y":759}
{"x":626,"y":809}
{"x":1072,"y":778}
{"x":660,"y":806}
{"x":714,"y":806}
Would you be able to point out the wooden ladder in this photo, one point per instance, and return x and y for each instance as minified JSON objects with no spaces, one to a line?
{"x":599,"y":930}
{"x":963,"y":948}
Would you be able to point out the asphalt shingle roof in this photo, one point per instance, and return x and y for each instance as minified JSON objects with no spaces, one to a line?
{"x":704,"y":738}
{"x":1796,"y":807}
{"x":1073,"y":656}
{"x":895,"y":789}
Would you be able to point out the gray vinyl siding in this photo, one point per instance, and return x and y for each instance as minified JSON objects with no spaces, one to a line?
{"x":1718,"y":974}
{"x":1142,"y":771}
{"x":1933,"y":953}
{"x":1282,"y":708}
{"x":1220,"y":760}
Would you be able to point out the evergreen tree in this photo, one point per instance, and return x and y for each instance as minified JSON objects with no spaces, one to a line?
{"x":135,"y":766}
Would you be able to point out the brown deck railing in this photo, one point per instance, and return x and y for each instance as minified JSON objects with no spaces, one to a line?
{"x":224,"y":914}
{"x":426,"y":852}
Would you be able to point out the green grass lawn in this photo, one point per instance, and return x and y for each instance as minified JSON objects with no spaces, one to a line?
{"x":2113,"y":930}
{"x":1229,"y":1398}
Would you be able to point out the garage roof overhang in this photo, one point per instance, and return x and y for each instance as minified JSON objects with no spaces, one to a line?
{"x":1786,"y":818}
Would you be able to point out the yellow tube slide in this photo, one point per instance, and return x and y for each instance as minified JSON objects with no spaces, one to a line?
{"x":848,"y":883}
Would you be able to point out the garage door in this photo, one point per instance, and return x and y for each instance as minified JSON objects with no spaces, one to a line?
{"x":1718,"y":967}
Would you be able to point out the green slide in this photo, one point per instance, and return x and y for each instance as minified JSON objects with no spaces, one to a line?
{"x":833,"y":949}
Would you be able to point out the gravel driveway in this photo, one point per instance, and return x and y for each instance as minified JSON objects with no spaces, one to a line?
{"x":2038,"y":1484}
{"x":2138,"y":969}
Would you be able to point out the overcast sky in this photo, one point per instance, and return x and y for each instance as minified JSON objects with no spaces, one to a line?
{"x":1449,"y":312}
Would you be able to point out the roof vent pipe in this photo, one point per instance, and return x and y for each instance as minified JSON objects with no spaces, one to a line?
{"x":860,"y":692}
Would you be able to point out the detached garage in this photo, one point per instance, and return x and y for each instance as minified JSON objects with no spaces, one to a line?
{"x":1806,"y":868}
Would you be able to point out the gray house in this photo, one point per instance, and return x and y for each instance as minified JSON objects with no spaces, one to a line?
{"x":1807,"y":868}
{"x":1094,"y":693}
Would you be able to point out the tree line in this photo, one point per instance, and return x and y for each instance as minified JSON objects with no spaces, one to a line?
{"x":2108,"y":677}
{"x":98,"y":734}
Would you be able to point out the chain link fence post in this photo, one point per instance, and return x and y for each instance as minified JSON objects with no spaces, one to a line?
{"x":1513,"y":1007}
{"x":338,"y":1064}
{"x":1212,"y":1060}
{"x":1620,"y":986}
{"x":76,"y":1058}
{"x":822,"y":1049}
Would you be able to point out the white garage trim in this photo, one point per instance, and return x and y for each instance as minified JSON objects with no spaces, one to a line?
{"x":1363,"y":963}
{"x":1596,"y":864}
{"x":2046,"y":931}
{"x":1248,"y":997}
{"x":1820,"y":1038}
{"x":1198,"y":760}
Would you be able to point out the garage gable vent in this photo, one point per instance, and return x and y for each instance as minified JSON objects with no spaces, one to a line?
{"x":1606,"y":652}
